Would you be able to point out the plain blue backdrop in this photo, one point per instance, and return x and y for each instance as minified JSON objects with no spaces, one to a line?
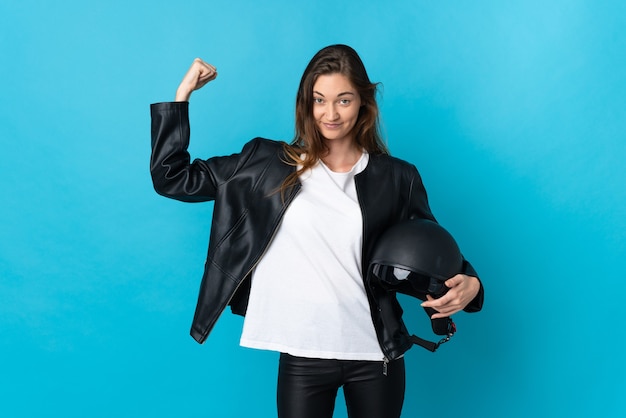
{"x":513,"y":111}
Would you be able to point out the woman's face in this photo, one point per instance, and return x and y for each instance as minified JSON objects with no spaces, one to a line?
{"x":336,"y":105}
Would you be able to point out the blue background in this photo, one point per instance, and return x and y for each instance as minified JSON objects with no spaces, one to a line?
{"x":513,"y":112}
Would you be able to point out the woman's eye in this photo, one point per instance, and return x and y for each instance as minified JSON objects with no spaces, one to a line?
{"x":318,"y":100}
{"x":344,"y":101}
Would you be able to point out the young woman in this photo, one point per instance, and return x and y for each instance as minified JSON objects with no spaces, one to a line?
{"x":294,"y":226}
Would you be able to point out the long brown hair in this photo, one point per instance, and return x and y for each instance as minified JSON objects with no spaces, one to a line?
{"x":334,"y":59}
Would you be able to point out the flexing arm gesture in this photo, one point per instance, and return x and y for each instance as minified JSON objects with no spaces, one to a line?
{"x":199,"y":74}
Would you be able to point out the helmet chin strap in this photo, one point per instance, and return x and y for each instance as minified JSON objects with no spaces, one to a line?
{"x":441,"y":326}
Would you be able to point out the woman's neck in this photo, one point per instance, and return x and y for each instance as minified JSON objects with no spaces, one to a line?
{"x":341,"y":157}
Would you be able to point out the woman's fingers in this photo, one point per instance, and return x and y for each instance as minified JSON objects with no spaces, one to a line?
{"x":198,"y":75}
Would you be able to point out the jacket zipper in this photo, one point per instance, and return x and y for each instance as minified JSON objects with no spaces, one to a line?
{"x":363,"y":215}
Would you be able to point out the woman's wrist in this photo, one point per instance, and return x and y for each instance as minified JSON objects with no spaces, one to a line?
{"x":182,"y":95}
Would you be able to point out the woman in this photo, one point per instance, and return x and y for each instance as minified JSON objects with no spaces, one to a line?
{"x":293,"y":228}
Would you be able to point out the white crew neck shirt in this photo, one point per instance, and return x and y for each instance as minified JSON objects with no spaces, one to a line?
{"x":307,"y":296}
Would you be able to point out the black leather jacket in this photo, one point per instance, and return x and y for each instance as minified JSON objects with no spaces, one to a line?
{"x":249,"y":208}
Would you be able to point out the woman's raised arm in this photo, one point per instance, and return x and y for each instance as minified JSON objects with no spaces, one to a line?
{"x":199,"y":74}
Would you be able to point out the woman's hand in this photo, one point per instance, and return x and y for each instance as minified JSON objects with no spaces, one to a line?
{"x":197,"y":76}
{"x":463,"y":289}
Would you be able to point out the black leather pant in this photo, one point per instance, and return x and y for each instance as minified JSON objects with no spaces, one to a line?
{"x":307,"y":388}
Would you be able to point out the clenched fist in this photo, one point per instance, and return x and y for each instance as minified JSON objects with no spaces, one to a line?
{"x":199,"y":74}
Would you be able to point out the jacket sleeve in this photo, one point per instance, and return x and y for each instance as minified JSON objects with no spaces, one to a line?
{"x":418,"y":202}
{"x":173,"y":173}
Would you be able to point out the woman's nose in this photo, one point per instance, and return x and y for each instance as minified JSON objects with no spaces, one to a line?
{"x":332,"y":113}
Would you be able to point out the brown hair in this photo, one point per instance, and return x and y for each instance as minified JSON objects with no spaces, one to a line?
{"x":334,"y":59}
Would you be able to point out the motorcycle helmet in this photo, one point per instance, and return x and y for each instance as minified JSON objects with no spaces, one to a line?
{"x":415,"y":257}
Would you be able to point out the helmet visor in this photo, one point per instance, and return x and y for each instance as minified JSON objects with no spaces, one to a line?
{"x":397,"y":277}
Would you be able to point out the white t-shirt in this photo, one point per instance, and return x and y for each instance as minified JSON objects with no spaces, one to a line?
{"x":307,"y":297}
